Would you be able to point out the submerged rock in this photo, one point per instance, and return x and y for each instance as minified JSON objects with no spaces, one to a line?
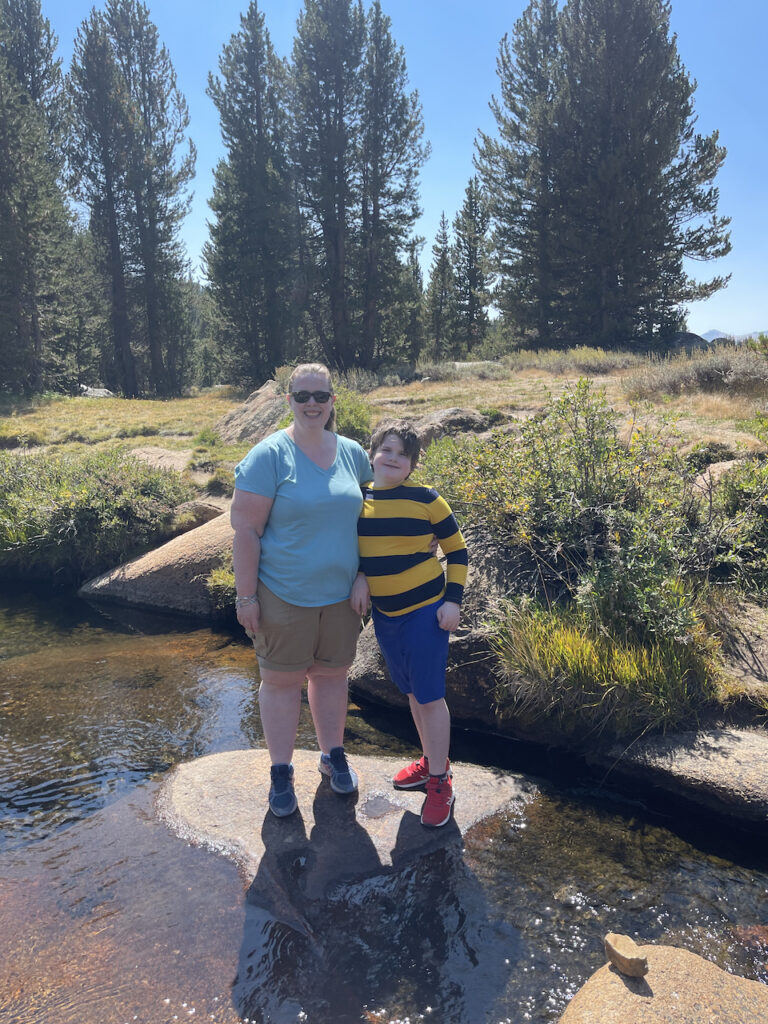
{"x":679,"y":988}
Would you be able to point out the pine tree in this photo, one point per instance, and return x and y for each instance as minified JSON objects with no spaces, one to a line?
{"x":98,"y":155}
{"x":29,"y":45}
{"x":252,"y":256}
{"x":156,"y":177}
{"x":599,"y":185}
{"x":470,"y":259}
{"x":636,"y":182}
{"x":392,"y":152}
{"x":441,"y":297}
{"x":327,"y":106}
{"x":516,"y":170}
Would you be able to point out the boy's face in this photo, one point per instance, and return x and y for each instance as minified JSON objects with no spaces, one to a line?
{"x":391,"y":466}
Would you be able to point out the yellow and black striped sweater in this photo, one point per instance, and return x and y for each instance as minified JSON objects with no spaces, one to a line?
{"x":394,"y":533}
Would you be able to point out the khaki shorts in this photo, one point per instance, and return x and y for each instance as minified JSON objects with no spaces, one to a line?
{"x":292,"y":638}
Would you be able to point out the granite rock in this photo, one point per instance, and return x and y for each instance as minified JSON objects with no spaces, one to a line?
{"x":680,"y":988}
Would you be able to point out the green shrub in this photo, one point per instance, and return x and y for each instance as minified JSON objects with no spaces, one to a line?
{"x":353,"y":415}
{"x":220,"y":583}
{"x":222,"y":482}
{"x":67,"y":518}
{"x":207,"y":438}
{"x":613,"y":533}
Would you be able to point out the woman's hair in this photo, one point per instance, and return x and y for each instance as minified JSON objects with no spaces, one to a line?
{"x":317,"y":369}
{"x":405,"y":431}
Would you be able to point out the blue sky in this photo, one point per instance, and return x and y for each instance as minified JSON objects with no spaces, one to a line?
{"x":451,"y":48}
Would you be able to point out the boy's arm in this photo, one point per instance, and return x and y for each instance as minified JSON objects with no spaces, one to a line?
{"x":454,"y":548}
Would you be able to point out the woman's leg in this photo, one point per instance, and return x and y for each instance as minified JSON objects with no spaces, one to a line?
{"x":435,"y":731}
{"x":279,"y":707}
{"x":328,"y":697}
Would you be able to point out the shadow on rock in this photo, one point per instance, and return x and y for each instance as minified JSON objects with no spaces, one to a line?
{"x":332,"y":946}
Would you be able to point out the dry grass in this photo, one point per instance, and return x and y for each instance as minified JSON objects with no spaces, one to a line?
{"x":97,"y":420}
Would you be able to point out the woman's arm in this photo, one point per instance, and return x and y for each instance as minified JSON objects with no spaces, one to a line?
{"x":249,"y":514}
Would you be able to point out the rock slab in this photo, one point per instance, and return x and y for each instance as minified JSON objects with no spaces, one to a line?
{"x":723,"y":769}
{"x":680,"y":988}
{"x":170,"y":578}
{"x":220,"y":801}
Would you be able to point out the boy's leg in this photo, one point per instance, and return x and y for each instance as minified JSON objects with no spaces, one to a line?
{"x":416,"y":716}
{"x":435,"y":732}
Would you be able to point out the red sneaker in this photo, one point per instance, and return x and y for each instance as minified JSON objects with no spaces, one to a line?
{"x":414,"y":776}
{"x":437,"y":807}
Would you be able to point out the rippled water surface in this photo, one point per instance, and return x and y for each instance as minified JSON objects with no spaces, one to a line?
{"x":107,"y":917}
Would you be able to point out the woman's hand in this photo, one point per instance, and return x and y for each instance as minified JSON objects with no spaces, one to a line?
{"x":448,"y":615}
{"x":360,"y":595}
{"x":249,"y":616}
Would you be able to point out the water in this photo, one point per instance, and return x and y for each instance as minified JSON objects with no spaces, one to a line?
{"x":107,"y":917}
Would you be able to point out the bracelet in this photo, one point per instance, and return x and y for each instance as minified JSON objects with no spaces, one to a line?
{"x":250,"y":599}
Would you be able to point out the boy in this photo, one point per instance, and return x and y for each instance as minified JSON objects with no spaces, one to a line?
{"x":414,"y":611}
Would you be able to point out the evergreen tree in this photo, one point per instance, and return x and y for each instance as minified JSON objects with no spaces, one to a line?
{"x":156,"y":178}
{"x":327,"y":53}
{"x":28,"y":43}
{"x":35,"y":232}
{"x":392,"y":152}
{"x":441,"y":297}
{"x":252,"y":256}
{"x":99,"y":159}
{"x":470,"y":230}
{"x":516,"y":170}
{"x":599,"y":185}
{"x":636,"y":182}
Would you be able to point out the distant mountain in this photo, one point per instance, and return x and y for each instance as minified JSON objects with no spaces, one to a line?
{"x":714,"y":335}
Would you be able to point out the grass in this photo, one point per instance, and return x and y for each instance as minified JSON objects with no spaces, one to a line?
{"x":90,"y":421}
{"x":554,"y":664}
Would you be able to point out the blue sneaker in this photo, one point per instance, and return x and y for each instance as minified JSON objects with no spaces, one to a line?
{"x":343,"y":779}
{"x":282,"y":799}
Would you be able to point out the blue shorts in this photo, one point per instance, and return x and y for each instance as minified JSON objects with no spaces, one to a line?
{"x":415,"y":649}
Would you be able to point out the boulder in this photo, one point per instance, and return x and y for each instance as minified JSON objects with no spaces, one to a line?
{"x":679,"y":988}
{"x":258,"y":416}
{"x":192,"y":514}
{"x":220,"y":801}
{"x":170,"y":578}
{"x":163,"y":458}
{"x":449,"y":422}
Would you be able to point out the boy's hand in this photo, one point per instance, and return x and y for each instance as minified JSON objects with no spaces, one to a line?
{"x":448,"y":615}
{"x":360,"y":595}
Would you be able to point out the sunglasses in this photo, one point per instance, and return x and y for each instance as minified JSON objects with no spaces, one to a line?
{"x":321,"y":397}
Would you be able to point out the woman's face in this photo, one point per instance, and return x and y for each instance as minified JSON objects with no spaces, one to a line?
{"x":311,"y":413}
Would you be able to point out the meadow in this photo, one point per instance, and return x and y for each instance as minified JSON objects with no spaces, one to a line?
{"x":628,"y":573}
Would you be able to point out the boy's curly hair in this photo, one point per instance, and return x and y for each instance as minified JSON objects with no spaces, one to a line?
{"x":402,"y":429}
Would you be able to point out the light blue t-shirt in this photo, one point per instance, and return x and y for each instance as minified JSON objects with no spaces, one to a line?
{"x":309,"y":553}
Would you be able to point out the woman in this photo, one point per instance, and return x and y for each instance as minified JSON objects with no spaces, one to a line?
{"x":295,"y":509}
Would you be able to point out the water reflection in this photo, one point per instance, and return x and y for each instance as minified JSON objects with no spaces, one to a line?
{"x":107,"y":917}
{"x":320,"y":948}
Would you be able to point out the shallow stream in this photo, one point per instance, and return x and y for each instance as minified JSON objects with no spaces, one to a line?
{"x":107,"y":917}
